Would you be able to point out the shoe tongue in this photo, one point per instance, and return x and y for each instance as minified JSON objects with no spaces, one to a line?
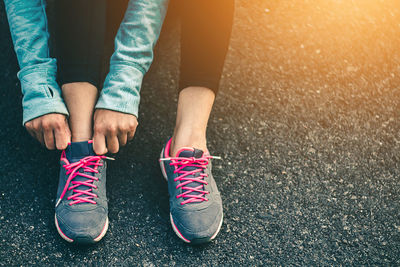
{"x":75,"y":152}
{"x":188,"y":152}
{"x":78,"y":150}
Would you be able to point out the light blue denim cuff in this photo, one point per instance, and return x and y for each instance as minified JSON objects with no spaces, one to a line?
{"x":121,"y":89}
{"x":42,"y":95}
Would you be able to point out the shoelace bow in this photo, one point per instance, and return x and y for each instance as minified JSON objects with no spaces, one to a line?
{"x":200,"y":164}
{"x":88,"y":164}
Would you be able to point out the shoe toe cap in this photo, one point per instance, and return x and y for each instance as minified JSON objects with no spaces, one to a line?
{"x":197,"y":224}
{"x":81,"y":227}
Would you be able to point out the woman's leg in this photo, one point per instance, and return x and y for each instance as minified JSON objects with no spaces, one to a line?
{"x":80,"y":98}
{"x":206,"y":28}
{"x":81,"y":42}
{"x":205,"y":34}
{"x":194,"y":107}
{"x":80,"y":37}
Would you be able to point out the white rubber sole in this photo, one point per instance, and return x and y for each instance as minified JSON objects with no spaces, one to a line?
{"x":178,"y":233}
{"x":66,"y":238}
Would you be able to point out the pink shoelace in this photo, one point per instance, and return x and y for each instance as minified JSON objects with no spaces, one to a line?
{"x":200,"y":164}
{"x":88,"y":164}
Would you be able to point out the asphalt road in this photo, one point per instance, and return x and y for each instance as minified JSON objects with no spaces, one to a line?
{"x":307,"y":123}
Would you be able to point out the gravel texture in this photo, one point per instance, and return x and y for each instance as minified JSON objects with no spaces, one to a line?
{"x":307,"y":123}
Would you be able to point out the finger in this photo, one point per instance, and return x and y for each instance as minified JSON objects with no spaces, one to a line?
{"x":131,"y":134}
{"x":39,"y":135}
{"x":68,"y":133}
{"x":31,"y":132}
{"x":35,"y":131}
{"x":99,"y":143}
{"x":62,"y":138}
{"x":49,"y":139}
{"x":112,"y":143}
{"x":122,"y":139}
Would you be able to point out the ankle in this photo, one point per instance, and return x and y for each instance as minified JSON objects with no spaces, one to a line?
{"x":80,"y":98}
{"x":188,"y":140}
{"x":80,"y":137}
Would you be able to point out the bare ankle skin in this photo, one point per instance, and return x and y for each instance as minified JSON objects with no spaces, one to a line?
{"x":80,"y":98}
{"x":194,"y":108}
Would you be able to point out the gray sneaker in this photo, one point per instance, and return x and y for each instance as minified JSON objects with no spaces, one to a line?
{"x":195,"y":202}
{"x":81,"y":208}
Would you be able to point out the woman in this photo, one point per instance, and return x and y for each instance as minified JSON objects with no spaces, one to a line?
{"x":81,"y":209}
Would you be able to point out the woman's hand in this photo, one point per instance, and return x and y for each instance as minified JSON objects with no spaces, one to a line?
{"x":51,"y":130}
{"x":112,"y":129}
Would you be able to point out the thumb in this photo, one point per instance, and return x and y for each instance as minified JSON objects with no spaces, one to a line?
{"x":68,"y":135}
{"x":99,"y":143}
{"x":62,"y":137}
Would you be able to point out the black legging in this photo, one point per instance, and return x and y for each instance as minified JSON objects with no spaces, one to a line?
{"x":85,"y":32}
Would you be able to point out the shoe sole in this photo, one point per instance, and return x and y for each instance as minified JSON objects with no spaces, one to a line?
{"x":84,"y":241}
{"x":176,"y":230}
{"x":195,"y":241}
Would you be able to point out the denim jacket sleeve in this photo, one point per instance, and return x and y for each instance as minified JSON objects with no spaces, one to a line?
{"x":28,"y":27}
{"x":133,"y":55}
